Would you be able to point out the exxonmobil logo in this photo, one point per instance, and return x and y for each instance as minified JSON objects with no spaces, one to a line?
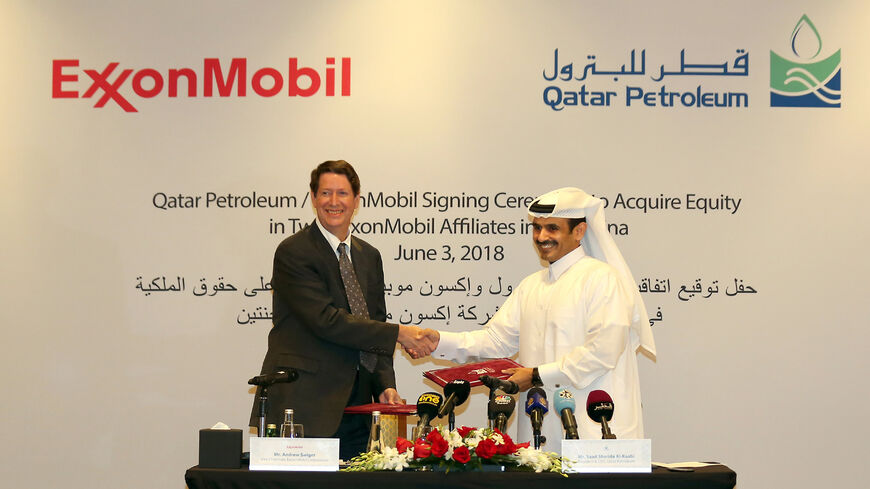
{"x":213,"y":79}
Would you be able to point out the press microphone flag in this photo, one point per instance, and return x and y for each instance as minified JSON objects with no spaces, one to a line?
{"x":500,"y":409}
{"x":536,"y":408}
{"x":564,"y":404}
{"x":427,"y":407}
{"x":599,"y":407}
{"x":456,"y":392}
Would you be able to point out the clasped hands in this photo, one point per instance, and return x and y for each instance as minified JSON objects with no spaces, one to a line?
{"x":418,"y":342}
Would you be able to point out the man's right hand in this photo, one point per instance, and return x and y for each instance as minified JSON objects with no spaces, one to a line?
{"x":418,"y":342}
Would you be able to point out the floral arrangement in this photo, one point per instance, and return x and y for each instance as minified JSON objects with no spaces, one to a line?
{"x":461,"y":449}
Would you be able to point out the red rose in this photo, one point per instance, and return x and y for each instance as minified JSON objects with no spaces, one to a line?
{"x":461,"y":454}
{"x":434,"y":435}
{"x":422,"y":450}
{"x":402,"y":445}
{"x":524,"y":445}
{"x":485,"y":449}
{"x":506,"y":448}
{"x":439,"y":446}
{"x":464,"y":431}
{"x":507,"y":438}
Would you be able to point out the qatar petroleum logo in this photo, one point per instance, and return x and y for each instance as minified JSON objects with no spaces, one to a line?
{"x":805,"y":81}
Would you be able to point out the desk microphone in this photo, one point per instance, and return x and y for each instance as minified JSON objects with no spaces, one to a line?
{"x":281,"y":376}
{"x":599,"y":407}
{"x":506,"y":386}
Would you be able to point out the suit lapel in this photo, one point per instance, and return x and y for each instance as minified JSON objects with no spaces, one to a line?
{"x":326,"y":254}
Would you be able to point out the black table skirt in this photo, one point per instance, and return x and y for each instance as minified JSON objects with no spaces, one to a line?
{"x":712,"y":477}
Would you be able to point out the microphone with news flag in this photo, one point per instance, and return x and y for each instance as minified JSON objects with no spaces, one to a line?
{"x":427,"y":409}
{"x":564,"y":404}
{"x":500,"y":409}
{"x":536,"y":408}
{"x":456,"y":391}
{"x":599,"y":407}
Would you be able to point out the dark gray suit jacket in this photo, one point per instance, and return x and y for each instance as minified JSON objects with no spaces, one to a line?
{"x":314,"y":332}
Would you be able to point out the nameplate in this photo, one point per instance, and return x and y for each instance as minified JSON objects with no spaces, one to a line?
{"x":302,"y":454}
{"x":598,"y":456}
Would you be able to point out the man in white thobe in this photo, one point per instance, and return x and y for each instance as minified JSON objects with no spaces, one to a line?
{"x":577,"y":324}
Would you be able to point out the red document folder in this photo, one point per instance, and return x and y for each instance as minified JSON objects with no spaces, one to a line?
{"x":383,"y":408}
{"x":472,"y":371}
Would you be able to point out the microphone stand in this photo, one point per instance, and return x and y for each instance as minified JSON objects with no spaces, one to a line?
{"x":489,"y":421}
{"x":501,"y":422}
{"x":263,"y":409}
{"x":537,"y":437}
{"x":605,"y":430}
{"x":451,"y":420}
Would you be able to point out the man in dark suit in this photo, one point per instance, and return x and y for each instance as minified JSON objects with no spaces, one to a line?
{"x":342,"y":348}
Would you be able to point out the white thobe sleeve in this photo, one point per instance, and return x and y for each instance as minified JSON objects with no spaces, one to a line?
{"x":607,"y":323}
{"x":499,"y":338}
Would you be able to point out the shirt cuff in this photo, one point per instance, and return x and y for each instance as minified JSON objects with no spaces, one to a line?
{"x":448,"y":345}
{"x":551,"y":376}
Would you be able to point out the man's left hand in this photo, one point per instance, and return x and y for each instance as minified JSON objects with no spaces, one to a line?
{"x":522,"y":376}
{"x":390,"y":396}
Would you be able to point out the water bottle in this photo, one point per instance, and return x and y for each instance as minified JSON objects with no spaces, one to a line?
{"x":287,"y":427}
{"x":376,"y":441}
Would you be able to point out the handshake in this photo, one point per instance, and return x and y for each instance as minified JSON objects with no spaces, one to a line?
{"x":418,"y":342}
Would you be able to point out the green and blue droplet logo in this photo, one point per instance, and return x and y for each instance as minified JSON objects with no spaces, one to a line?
{"x":805,"y":81}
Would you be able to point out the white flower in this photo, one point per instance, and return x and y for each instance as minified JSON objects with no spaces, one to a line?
{"x":474,"y":438}
{"x":454,"y":439}
{"x":391,"y":459}
{"x":526,"y":456}
{"x":536,"y":459}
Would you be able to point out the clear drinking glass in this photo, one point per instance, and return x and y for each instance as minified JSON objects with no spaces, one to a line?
{"x":292,"y":430}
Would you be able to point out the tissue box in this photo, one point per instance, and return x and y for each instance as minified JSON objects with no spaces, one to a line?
{"x":390,"y":429}
{"x":220,"y":449}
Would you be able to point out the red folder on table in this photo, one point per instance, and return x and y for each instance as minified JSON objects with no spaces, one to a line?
{"x":383,"y":408}
{"x":472,"y":371}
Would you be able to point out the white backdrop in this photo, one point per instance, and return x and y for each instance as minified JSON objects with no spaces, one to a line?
{"x":109,"y":372}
